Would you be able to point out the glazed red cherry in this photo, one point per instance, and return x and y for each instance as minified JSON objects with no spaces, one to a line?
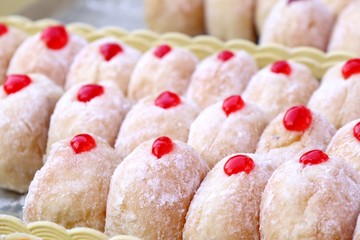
{"x":110,"y":50}
{"x":239,"y":163}
{"x":233,"y":104}
{"x":298,"y":118}
{"x":3,"y":29}
{"x":281,"y":67}
{"x":15,"y":82}
{"x":167,"y":100}
{"x":87,"y":92}
{"x":225,"y":55}
{"x":55,"y":37}
{"x":351,"y":67}
{"x":161,"y":146}
{"x":82,"y":143}
{"x":356,"y":131}
{"x":162,"y":50}
{"x":313,"y":157}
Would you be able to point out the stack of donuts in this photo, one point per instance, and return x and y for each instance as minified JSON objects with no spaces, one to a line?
{"x":162,"y":145}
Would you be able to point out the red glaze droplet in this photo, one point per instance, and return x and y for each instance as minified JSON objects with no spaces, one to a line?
{"x":225,"y":55}
{"x":298,"y":118}
{"x":161,"y":146}
{"x":16,"y":82}
{"x":110,"y":50}
{"x":82,"y":143}
{"x":313,"y":157}
{"x":89,"y":91}
{"x":167,"y":100}
{"x":356,"y":131}
{"x":233,"y":104}
{"x":3,"y":29}
{"x":239,"y":163}
{"x":281,"y":67}
{"x":351,"y":67}
{"x":55,"y":37}
{"x":162,"y":50}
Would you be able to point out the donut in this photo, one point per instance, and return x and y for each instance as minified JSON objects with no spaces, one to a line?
{"x":219,"y":76}
{"x":279,"y":86}
{"x":163,"y":68}
{"x":151,"y":190}
{"x":225,"y":128}
{"x":262,"y":10}
{"x":227,"y":203}
{"x":26,"y":104}
{"x":49,"y":52}
{"x":337,"y":6}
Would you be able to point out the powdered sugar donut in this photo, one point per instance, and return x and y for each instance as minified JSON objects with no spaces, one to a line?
{"x":220,"y":76}
{"x":228,"y":19}
{"x":336,"y":6}
{"x":345,"y":144}
{"x":262,"y":10}
{"x":152,"y":188}
{"x":186,"y":16}
{"x":93,"y":108}
{"x":10,"y":39}
{"x":160,"y":69}
{"x":227,"y":203}
{"x":55,"y":49}
{"x":338,"y":95}
{"x":298,"y":23}
{"x":26,"y":104}
{"x":72,"y":187}
{"x":316,"y":197}
{"x":279,"y":86}
{"x":105,"y":59}
{"x":294,"y":132}
{"x":153,"y":116}
{"x":225,"y":128}
{"x":346,"y":35}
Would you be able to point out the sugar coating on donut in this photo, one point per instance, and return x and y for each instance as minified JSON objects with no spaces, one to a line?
{"x":71,"y":189}
{"x":101,"y":116}
{"x":299,"y":23}
{"x":346,"y":145}
{"x":337,"y":6}
{"x":149,"y":197}
{"x":346,"y":34}
{"x":33,"y":56}
{"x":90,"y":66}
{"x":24,"y":121}
{"x":282,"y":144}
{"x":153,"y":75}
{"x":337,"y":98}
{"x":276,"y":92}
{"x":214,"y":79}
{"x":9,"y":42}
{"x":146,"y":121}
{"x":228,"y":207}
{"x":215,"y":135}
{"x":313,"y":201}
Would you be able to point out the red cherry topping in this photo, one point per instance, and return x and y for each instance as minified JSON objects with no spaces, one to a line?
{"x":82,"y":143}
{"x":356,"y":131}
{"x":233,"y":104}
{"x":3,"y":29}
{"x":313,"y":157}
{"x":55,"y":37}
{"x":351,"y":67}
{"x":298,"y":118}
{"x":16,"y":82}
{"x":110,"y":50}
{"x":89,"y":91}
{"x":161,"y":146}
{"x":239,"y":163}
{"x":281,"y":67}
{"x":162,"y":50}
{"x":225,"y":55}
{"x":167,"y":100}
